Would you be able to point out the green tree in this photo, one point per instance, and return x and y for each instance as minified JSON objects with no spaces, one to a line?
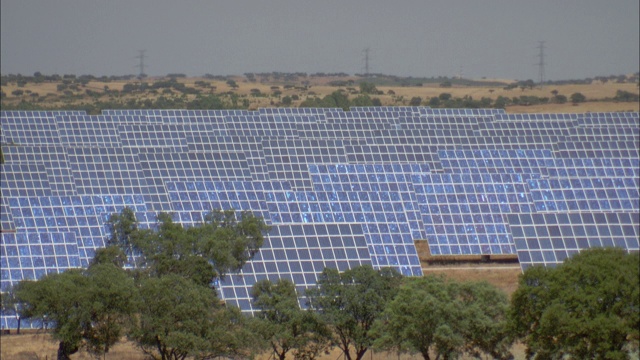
{"x":180,"y":319}
{"x":434,"y":102}
{"x":362,"y":100}
{"x":559,"y":99}
{"x":368,"y":88}
{"x":431,"y":315}
{"x":201,"y":253}
{"x":578,"y":98}
{"x":351,"y":301}
{"x":284,"y":325}
{"x":88,"y":308}
{"x":585,"y":308}
{"x":287,"y":100}
{"x":415,"y":101}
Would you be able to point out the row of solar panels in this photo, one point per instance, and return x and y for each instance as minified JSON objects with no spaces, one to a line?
{"x":337,"y":194}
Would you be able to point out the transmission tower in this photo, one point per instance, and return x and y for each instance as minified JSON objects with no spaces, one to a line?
{"x":366,"y":62}
{"x":541,"y":62}
{"x":141,"y":64}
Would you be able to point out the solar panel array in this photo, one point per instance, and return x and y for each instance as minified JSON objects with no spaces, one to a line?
{"x":339,"y":188}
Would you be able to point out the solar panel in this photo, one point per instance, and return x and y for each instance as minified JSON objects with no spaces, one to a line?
{"x":6,"y":220}
{"x":548,"y":239}
{"x":250,"y":146}
{"x":463,"y":214}
{"x":340,"y":188}
{"x":204,"y":196}
{"x":23,"y":179}
{"x":55,"y":162}
{"x":158,"y":168}
{"x":155,"y":136}
{"x":586,"y":194}
{"x":297,"y":252}
{"x":30,"y":256}
{"x":106,"y":171}
{"x":496,"y":161}
{"x":27,"y":130}
{"x":389,"y":220}
{"x":287,"y":159}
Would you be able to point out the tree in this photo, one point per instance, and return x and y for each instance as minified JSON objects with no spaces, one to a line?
{"x":88,"y":308}
{"x":415,"y":101}
{"x":560,"y":99}
{"x":179,"y":318}
{"x":431,"y":315}
{"x":434,"y":102}
{"x":351,"y":301}
{"x":362,"y":100}
{"x":368,"y":88}
{"x":585,"y":308}
{"x":287,"y":101}
{"x":200,"y":253}
{"x":284,"y":325}
{"x":578,"y":98}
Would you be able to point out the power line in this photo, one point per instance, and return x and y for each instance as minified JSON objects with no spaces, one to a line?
{"x":541,"y":62}
{"x":366,"y":61}
{"x":141,"y":64}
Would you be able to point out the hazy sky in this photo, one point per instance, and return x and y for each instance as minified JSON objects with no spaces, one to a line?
{"x":492,"y":38}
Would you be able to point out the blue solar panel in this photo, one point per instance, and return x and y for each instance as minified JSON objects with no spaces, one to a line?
{"x":298,"y":252}
{"x":463,"y":214}
{"x":548,"y":239}
{"x":339,"y":188}
{"x":586,"y":194}
{"x":33,"y":255}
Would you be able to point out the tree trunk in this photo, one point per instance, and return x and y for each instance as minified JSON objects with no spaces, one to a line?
{"x":65,"y":350}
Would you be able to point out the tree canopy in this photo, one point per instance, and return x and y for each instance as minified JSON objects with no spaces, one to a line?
{"x":88,"y":308}
{"x":284,"y":325}
{"x":431,"y":315}
{"x":585,"y":308}
{"x":350,"y":302}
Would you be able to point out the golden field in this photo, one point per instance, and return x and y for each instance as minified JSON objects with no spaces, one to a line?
{"x":267,"y":92}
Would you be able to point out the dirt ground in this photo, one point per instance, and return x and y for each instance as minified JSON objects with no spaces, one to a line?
{"x":39,"y":346}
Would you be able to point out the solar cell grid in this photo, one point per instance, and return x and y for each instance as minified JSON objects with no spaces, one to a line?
{"x":24,"y":179}
{"x":155,"y":136}
{"x":463,"y":214}
{"x":106,"y":171}
{"x":30,"y":130}
{"x":205,"y":196}
{"x":536,"y":116}
{"x":595,"y":167}
{"x":6,"y":220}
{"x":251,"y":146}
{"x":55,"y":162}
{"x":460,"y":112}
{"x":586,"y":194}
{"x":30,"y":256}
{"x":287,"y":159}
{"x":88,"y":132}
{"x":399,"y":154}
{"x":548,"y":239}
{"x":298,"y":252}
{"x":496,"y":161}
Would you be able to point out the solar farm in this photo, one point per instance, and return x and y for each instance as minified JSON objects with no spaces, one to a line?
{"x":338,"y":188}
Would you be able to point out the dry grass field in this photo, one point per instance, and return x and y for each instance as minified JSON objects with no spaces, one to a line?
{"x":272,"y":91}
{"x":38,"y":346}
